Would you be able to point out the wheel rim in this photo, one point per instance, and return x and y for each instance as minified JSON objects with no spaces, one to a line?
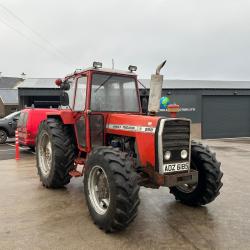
{"x":188,"y":188}
{"x":2,"y":136}
{"x":45,"y":154}
{"x":99,"y":192}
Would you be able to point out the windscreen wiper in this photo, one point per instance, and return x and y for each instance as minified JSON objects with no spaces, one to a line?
{"x":104,"y":82}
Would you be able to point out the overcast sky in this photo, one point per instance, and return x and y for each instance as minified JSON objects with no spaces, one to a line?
{"x":201,"y":39}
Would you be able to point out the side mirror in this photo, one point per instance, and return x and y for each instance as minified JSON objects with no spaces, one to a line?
{"x":64,"y":99}
{"x":15,"y":119}
{"x":65,"y":85}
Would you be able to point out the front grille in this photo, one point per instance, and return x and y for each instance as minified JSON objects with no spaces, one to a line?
{"x":175,"y":137}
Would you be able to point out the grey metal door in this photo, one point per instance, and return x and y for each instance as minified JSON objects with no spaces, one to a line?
{"x":225,"y":116}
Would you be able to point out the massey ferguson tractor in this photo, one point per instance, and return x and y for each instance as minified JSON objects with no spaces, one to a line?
{"x":100,"y":126}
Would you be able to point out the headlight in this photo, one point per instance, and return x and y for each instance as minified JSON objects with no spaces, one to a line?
{"x":184,"y":154}
{"x":167,"y":155}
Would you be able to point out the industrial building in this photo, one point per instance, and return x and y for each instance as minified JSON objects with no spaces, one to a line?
{"x":8,"y":101}
{"x":218,"y":109}
{"x":8,"y":95}
{"x":38,"y":92}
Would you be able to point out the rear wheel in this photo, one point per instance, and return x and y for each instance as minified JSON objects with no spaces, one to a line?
{"x":209,"y":178}
{"x":54,"y":153}
{"x":3,"y":136}
{"x":111,"y":189}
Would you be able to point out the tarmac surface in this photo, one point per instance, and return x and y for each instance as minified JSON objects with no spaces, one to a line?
{"x":7,"y":150}
{"x":33,"y":217}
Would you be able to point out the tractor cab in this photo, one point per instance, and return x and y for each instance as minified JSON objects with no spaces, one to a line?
{"x":101,"y":90}
{"x":92,"y":95}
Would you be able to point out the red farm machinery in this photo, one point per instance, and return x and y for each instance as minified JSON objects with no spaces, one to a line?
{"x":100,"y":125}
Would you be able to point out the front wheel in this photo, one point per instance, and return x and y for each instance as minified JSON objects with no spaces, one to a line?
{"x":209,"y":178}
{"x":111,"y":189}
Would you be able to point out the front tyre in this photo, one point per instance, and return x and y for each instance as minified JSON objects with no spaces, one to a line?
{"x":111,"y":189}
{"x":209,"y":178}
{"x":54,"y":153}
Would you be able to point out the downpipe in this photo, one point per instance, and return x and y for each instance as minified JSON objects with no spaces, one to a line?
{"x":155,"y":90}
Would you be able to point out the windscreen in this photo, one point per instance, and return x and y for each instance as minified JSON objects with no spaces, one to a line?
{"x":114,"y":93}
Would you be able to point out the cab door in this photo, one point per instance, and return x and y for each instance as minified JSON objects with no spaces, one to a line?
{"x":89,"y":126}
{"x":79,"y":106}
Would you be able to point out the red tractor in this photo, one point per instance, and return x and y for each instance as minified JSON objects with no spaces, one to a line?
{"x":100,"y":125}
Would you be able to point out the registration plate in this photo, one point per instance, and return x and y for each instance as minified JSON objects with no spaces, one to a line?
{"x":176,"y":167}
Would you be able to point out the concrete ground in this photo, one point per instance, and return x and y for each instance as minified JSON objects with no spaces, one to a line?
{"x":33,"y":217}
{"x":7,"y":150}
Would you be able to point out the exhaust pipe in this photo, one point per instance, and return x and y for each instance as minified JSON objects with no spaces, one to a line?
{"x":155,"y":90}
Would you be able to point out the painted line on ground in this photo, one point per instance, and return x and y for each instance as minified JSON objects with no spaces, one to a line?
{"x":13,"y":145}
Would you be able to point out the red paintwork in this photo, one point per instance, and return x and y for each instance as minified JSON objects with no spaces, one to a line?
{"x":67,"y":116}
{"x":27,"y":134}
{"x":75,"y":173}
{"x":145,"y":141}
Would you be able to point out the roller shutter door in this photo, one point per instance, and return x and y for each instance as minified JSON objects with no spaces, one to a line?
{"x":225,"y":116}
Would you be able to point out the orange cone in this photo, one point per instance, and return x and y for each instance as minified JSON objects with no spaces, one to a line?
{"x":17,"y":147}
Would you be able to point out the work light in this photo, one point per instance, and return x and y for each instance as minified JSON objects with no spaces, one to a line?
{"x":97,"y":65}
{"x":132,"y":68}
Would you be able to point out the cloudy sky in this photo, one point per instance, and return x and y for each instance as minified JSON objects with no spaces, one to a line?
{"x":200,"y":39}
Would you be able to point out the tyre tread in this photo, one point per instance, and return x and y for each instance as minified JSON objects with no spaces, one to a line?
{"x":127,"y":198}
{"x":213,"y":175}
{"x":64,"y":148}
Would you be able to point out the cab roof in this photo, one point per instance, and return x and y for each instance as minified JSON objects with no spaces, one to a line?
{"x":104,"y":70}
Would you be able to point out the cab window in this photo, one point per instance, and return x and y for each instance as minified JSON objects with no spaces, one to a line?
{"x":108,"y":90}
{"x":71,"y":92}
{"x":80,"y":96}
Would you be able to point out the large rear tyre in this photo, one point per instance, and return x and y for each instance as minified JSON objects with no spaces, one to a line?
{"x":209,"y":178}
{"x":54,"y":153}
{"x":3,"y":136}
{"x":111,"y":189}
